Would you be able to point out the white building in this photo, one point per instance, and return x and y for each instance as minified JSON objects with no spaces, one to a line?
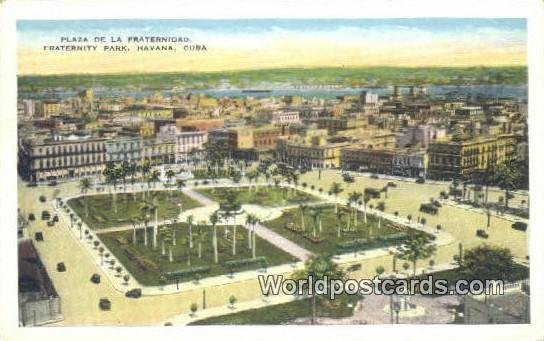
{"x":421,"y":135}
{"x":185,"y":141}
{"x":28,"y":107}
{"x":285,"y":117}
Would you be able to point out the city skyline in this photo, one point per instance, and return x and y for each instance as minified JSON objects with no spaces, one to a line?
{"x":277,"y":43}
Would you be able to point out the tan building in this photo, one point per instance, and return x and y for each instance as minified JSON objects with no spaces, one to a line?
{"x":464,"y":156}
{"x":312,"y":150}
{"x":335,"y":124}
{"x":159,"y":152}
{"x":48,"y":108}
{"x":48,"y":159}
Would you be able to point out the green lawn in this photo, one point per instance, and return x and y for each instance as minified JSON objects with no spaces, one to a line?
{"x":368,"y":233}
{"x":262,"y":195}
{"x":285,"y":312}
{"x":104,"y":211}
{"x":149,"y":273}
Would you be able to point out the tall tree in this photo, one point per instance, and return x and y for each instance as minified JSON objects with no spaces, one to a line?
{"x":319,"y":268}
{"x":336,"y":189}
{"x":84,"y":186}
{"x":417,"y":247}
{"x":214,"y":219}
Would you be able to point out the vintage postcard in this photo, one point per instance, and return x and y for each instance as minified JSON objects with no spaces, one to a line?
{"x":273,"y":171}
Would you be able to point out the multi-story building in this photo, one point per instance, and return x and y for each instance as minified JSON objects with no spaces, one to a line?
{"x":124,"y":148}
{"x":152,"y":113}
{"x":410,"y":163}
{"x":48,"y":108}
{"x":29,"y":107}
{"x":367,"y":159}
{"x":159,"y":152}
{"x":335,"y":124}
{"x":421,"y":135}
{"x":61,"y":158}
{"x":464,"y":156}
{"x":189,"y":142}
{"x":285,"y":117}
{"x":312,"y":150}
{"x":185,"y":141}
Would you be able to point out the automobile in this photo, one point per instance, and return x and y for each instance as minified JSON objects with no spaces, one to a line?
{"x":42,"y":198}
{"x":374,"y":176}
{"x":520,"y":226}
{"x":52,"y":183}
{"x":104,"y":304}
{"x":31,"y":184}
{"x":55,"y":218}
{"x":46,"y":215}
{"x":61,"y":267}
{"x":168,"y":324}
{"x":95,"y":278}
{"x":391,"y":184}
{"x":38,"y":236}
{"x":50,"y":223}
{"x":134,"y":293}
{"x":482,"y":234}
{"x":420,"y":180}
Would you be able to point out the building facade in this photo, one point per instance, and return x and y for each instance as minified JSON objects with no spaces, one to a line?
{"x":124,"y":149}
{"x":464,"y":156}
{"x":52,"y":159}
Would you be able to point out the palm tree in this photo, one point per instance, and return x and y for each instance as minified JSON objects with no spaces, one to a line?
{"x":319,"y":268}
{"x":180,"y":184}
{"x":249,"y":221}
{"x":85,"y":185}
{"x":315,"y":216}
{"x":189,"y":222}
{"x":154,"y":178}
{"x":417,"y":247}
{"x":145,"y":208}
{"x":336,"y":189}
{"x":155,"y":210}
{"x":134,"y":221}
{"x":354,"y":198}
{"x":254,"y":246}
{"x":214,"y":218}
{"x":302,"y":208}
{"x":366,"y":199}
{"x":169,"y":175}
{"x":200,"y":238}
{"x":339,"y":217}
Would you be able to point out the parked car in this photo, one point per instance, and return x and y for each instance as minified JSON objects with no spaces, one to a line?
{"x":134,"y":293}
{"x":420,"y":180}
{"x":374,"y":176}
{"x":482,"y":234}
{"x":95,"y":278}
{"x":55,"y":218}
{"x":168,"y":324}
{"x":46,"y":215}
{"x":38,"y":236}
{"x":50,"y":223}
{"x":42,"y":198}
{"x":520,"y":226}
{"x":52,"y":183}
{"x":104,"y":304}
{"x":61,"y":267}
{"x":31,"y":184}
{"x":391,"y":184}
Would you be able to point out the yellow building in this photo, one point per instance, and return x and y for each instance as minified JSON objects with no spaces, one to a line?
{"x":312,"y":150}
{"x":48,"y":108}
{"x":464,"y":156}
{"x":147,"y":129}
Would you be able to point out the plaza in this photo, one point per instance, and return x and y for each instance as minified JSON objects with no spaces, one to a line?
{"x":459,"y":225}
